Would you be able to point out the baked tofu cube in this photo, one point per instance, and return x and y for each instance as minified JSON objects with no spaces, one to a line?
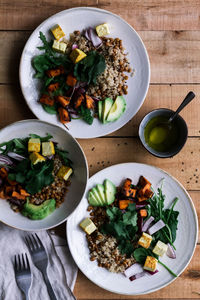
{"x":64,"y":172}
{"x":34,"y":145}
{"x":150,"y":264}
{"x":57,"y":32}
{"x":160,"y":248}
{"x":48,"y":148}
{"x":36,"y":158}
{"x":59,"y":46}
{"x":76,"y":55}
{"x":145,"y":240}
{"x":88,"y":226}
{"x":102,"y":29}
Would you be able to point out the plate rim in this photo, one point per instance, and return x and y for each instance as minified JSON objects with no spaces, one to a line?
{"x":196,"y":229}
{"x":86,"y":163}
{"x":98,"y":10}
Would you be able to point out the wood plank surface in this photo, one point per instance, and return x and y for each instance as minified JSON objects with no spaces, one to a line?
{"x":174,"y":55}
{"x":143,"y":15}
{"x":169,"y":96}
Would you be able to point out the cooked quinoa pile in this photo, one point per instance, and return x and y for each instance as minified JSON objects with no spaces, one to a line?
{"x":112,"y":82}
{"x":104,"y":248}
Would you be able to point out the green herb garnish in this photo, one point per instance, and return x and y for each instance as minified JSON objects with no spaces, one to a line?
{"x":86,"y":114}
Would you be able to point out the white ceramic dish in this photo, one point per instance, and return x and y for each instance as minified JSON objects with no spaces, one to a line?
{"x":79,"y":19}
{"x":185,"y":242}
{"x":76,"y":190}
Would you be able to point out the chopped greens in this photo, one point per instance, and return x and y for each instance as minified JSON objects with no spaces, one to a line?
{"x":90,"y":67}
{"x":86,"y":115}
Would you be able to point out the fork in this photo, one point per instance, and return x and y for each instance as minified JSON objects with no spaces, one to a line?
{"x":22,"y":273}
{"x":40,"y":260}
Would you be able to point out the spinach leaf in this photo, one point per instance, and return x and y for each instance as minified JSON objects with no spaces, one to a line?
{"x":89,"y":68}
{"x":50,"y":109}
{"x":86,"y":114}
{"x":140,"y":255}
{"x":63,"y":154}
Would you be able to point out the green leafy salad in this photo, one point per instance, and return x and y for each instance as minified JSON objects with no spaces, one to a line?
{"x":34,"y":174}
{"x":137,"y":221}
{"x":69,"y":71}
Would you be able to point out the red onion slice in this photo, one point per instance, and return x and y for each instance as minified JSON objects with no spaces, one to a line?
{"x":86,"y":34}
{"x":137,"y":276}
{"x":156,"y":227}
{"x":171,"y":252}
{"x":15,"y":156}
{"x":133,"y":270}
{"x":147,"y":224}
{"x":152,"y":273}
{"x":74,"y":46}
{"x":96,"y":41}
{"x":5,"y":160}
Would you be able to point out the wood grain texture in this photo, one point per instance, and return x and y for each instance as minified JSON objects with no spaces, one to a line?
{"x":143,"y":15}
{"x":169,"y":96}
{"x":189,"y":281}
{"x":174,"y":55}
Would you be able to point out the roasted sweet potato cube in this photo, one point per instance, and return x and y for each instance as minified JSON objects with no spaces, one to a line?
{"x":46,"y":99}
{"x":148,"y":194}
{"x":53,"y":72}
{"x":143,"y":182}
{"x":71,"y":80}
{"x":89,"y":102}
{"x":3,"y":172}
{"x":123,"y":204}
{"x":63,"y":101}
{"x":64,"y":115}
{"x":53,"y":87}
{"x":78,"y":101}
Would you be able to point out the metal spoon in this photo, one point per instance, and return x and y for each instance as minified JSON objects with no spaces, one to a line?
{"x":185,"y":102}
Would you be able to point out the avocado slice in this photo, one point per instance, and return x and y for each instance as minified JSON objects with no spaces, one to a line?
{"x":110,"y":191}
{"x":117,"y":109}
{"x":100,"y":108}
{"x":92,"y":199}
{"x":96,"y":194}
{"x":38,"y":212}
{"x":108,"y":102}
{"x":101,"y":192}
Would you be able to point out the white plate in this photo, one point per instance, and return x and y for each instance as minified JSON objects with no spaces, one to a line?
{"x":185,"y":242}
{"x":79,"y":19}
{"x":79,"y":179}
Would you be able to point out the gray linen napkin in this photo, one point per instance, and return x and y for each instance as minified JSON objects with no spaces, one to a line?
{"x":61,"y":266}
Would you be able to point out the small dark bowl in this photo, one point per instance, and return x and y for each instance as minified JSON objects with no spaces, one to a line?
{"x":182,"y":127}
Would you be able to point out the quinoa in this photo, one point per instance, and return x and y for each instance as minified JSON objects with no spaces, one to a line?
{"x":104,"y":248}
{"x":112,"y":82}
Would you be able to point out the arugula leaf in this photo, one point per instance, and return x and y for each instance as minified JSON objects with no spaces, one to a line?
{"x":89,"y":68}
{"x":86,"y":114}
{"x":47,"y":46}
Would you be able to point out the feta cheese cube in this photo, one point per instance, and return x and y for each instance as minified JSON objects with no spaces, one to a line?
{"x":160,"y":248}
{"x":150,"y":264}
{"x":36,"y":158}
{"x":76,"y":55}
{"x":145,"y":240}
{"x":88,"y":226}
{"x":59,"y":46}
{"x":102,"y":29}
{"x":48,"y":148}
{"x":34,"y":145}
{"x":64,"y":172}
{"x":57,"y":32}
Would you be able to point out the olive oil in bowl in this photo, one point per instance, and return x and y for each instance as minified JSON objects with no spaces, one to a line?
{"x":161,"y":138}
{"x":160,"y":135}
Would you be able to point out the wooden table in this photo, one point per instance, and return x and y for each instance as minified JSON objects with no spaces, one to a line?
{"x":171,"y":33}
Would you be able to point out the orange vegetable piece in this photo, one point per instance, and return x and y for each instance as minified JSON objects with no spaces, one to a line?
{"x":89,"y":102}
{"x":64,"y":115}
{"x":143,"y":213}
{"x":64,"y":101}
{"x":53,"y":72}
{"x":2,"y":195}
{"x":148,"y":193}
{"x":24,"y":193}
{"x":18,"y":196}
{"x":71,"y":80}
{"x":79,"y":101}
{"x":3,"y":172}
{"x":127,"y":190}
{"x":53,"y":87}
{"x":123,"y":204}
{"x":9,"y":189}
{"x":45,"y":99}
{"x":12,"y":182}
